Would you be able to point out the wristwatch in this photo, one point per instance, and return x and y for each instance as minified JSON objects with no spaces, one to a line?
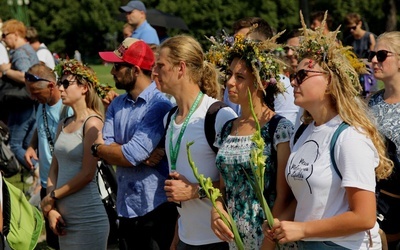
{"x":94,"y":149}
{"x":4,"y":72}
{"x":201,"y":192}
{"x":53,"y":195}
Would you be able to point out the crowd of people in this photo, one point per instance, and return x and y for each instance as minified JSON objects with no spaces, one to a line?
{"x":331,"y":145}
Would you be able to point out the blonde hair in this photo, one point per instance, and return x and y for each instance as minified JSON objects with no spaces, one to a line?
{"x":392,"y":40}
{"x":343,"y":89}
{"x":184,"y":48}
{"x":92,"y":99}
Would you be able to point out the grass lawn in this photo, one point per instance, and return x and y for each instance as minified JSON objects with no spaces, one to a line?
{"x":104,"y":74}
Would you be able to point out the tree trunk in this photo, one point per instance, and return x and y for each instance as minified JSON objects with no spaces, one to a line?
{"x":391,"y":22}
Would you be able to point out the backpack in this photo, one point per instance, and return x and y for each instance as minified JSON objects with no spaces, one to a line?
{"x":368,"y":82}
{"x":335,"y":136}
{"x":209,"y":122}
{"x":8,"y":162}
{"x":22,"y":222}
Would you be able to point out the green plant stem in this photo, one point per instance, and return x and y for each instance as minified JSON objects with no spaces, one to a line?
{"x":213,"y":194}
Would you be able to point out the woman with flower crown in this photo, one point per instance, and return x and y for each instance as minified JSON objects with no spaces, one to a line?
{"x":73,"y":205}
{"x":252,"y":74}
{"x":336,"y":206}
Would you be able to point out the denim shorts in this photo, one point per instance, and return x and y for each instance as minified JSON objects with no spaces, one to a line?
{"x":318,"y":245}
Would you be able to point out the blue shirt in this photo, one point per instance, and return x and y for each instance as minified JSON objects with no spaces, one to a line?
{"x":146,"y":33}
{"x":138,"y":127}
{"x":23,"y":58}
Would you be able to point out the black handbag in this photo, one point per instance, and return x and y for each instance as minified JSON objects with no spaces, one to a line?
{"x":107,"y":184}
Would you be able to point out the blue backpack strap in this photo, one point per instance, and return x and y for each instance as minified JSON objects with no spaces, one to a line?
{"x":335,"y":136}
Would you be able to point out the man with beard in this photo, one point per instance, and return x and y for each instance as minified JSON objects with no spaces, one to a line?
{"x":132,"y":130}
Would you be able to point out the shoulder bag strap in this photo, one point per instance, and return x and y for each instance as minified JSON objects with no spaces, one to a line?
{"x":46,"y":127}
{"x":84,"y":123}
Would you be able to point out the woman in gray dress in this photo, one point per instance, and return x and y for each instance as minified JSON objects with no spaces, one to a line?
{"x":73,"y":204}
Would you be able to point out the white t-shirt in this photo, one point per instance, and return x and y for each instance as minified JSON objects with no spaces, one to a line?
{"x":3,"y":54}
{"x":284,"y":103}
{"x":195,"y":215}
{"x":45,"y":56}
{"x":319,"y":191}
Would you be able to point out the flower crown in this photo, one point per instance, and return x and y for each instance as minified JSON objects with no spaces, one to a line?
{"x":258,"y":55}
{"x":326,"y":50}
{"x":74,"y":67}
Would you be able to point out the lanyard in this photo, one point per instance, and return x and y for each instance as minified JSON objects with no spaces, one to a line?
{"x":46,"y":126}
{"x":174,"y":151}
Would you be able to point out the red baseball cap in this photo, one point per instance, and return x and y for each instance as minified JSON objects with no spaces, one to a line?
{"x":132,"y":51}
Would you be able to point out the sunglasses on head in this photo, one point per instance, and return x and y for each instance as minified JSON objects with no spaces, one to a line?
{"x":65,"y":83}
{"x":32,"y":78}
{"x":301,"y":75}
{"x":381,"y":55}
{"x":118,"y":66}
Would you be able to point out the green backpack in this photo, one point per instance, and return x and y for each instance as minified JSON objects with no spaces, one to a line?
{"x":22,"y":222}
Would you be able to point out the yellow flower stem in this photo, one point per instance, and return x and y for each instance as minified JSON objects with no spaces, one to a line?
{"x":258,"y":166}
{"x":213,"y":194}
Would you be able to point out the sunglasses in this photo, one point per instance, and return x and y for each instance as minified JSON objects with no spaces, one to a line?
{"x":118,"y":66}
{"x":32,"y":78}
{"x":381,"y":55}
{"x":65,"y":83}
{"x":5,"y":35}
{"x":301,"y":75}
{"x":353,"y":27}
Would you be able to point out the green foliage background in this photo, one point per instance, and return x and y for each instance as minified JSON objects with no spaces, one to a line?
{"x":95,"y":25}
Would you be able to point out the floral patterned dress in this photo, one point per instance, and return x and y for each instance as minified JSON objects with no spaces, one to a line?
{"x":233,"y":160}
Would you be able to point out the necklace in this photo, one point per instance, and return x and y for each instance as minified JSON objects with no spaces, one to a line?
{"x":174,"y":151}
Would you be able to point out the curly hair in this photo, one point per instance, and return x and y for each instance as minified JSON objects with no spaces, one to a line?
{"x":343,"y":89}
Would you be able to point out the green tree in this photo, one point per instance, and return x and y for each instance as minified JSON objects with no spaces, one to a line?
{"x":94,"y":25}
{"x":86,"y":25}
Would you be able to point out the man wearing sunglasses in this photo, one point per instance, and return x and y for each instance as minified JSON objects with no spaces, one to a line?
{"x":132,"y":130}
{"x":40,"y":82}
{"x":362,"y":42}
{"x":13,"y":94}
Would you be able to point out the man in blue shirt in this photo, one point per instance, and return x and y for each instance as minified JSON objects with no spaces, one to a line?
{"x":132,"y":130}
{"x":136,"y":16}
